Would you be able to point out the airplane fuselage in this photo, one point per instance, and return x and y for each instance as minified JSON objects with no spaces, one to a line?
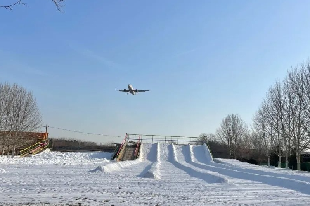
{"x":131,"y":90}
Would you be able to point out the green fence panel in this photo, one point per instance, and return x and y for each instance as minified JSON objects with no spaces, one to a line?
{"x":305,"y":166}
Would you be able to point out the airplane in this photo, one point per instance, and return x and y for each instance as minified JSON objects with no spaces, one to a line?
{"x":132,"y":91}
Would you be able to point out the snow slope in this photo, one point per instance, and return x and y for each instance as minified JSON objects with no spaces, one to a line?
{"x":164,"y":174}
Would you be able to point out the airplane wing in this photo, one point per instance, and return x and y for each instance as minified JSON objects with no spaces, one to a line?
{"x":123,"y":90}
{"x":141,"y":90}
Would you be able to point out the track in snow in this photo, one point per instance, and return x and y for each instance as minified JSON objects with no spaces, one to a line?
{"x":194,"y":165}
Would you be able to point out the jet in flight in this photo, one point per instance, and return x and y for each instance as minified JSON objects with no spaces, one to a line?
{"x":132,"y":91}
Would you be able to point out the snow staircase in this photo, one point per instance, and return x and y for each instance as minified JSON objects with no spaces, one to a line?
{"x":127,"y":150}
{"x":119,"y":151}
{"x":34,"y":149}
{"x":129,"y":153}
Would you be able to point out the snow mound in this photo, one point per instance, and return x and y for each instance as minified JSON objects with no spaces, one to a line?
{"x":153,"y":171}
{"x":152,"y":175}
{"x":46,"y":150}
{"x":116,"y":166}
{"x":2,"y":171}
{"x":60,"y":158}
{"x":98,"y":169}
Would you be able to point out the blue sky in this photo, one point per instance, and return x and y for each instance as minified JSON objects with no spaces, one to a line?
{"x":202,"y":60}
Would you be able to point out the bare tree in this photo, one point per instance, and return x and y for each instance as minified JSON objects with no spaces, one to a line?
{"x":205,"y":138}
{"x":258,"y":149}
{"x":289,"y":114}
{"x":306,"y":82}
{"x":231,"y":132}
{"x":268,"y":123}
{"x":5,"y":116}
{"x":275,"y":99}
{"x":10,"y":6}
{"x":18,"y":114}
{"x":58,"y":4}
{"x":298,"y":87}
{"x":245,"y":147}
{"x":284,"y":117}
{"x":273,"y":121}
{"x":263,"y":127}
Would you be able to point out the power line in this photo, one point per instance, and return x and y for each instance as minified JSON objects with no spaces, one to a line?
{"x":80,"y":132}
{"x":98,"y":134}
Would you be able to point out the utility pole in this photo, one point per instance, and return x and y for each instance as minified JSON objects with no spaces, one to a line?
{"x":46,"y":137}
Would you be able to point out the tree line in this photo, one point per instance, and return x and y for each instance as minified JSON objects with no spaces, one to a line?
{"x":73,"y":145}
{"x":280,"y":125}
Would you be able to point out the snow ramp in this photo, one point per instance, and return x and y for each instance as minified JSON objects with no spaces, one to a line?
{"x":169,"y":163}
{"x":146,"y":154}
{"x":152,"y":170}
{"x":150,"y":152}
{"x":200,"y":153}
{"x":164,"y":161}
{"x":183,"y":156}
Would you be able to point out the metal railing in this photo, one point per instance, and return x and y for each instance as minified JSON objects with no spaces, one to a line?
{"x":120,"y":150}
{"x":137,"y":150}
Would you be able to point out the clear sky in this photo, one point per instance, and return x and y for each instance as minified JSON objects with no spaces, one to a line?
{"x":201,"y":60}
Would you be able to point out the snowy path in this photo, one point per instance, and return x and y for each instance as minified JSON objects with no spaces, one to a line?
{"x":240,"y":179}
{"x":253,"y":173}
{"x":164,"y":175}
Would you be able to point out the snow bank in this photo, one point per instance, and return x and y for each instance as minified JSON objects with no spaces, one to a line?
{"x":115,"y":166}
{"x":170,"y":178}
{"x":98,"y":169}
{"x":59,"y":158}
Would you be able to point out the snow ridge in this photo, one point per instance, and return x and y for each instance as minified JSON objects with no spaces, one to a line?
{"x":153,"y":157}
{"x":208,"y":153}
{"x":157,"y":173}
{"x":191,"y":153}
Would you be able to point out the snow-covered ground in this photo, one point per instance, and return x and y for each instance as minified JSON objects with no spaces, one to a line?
{"x":164,"y":174}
